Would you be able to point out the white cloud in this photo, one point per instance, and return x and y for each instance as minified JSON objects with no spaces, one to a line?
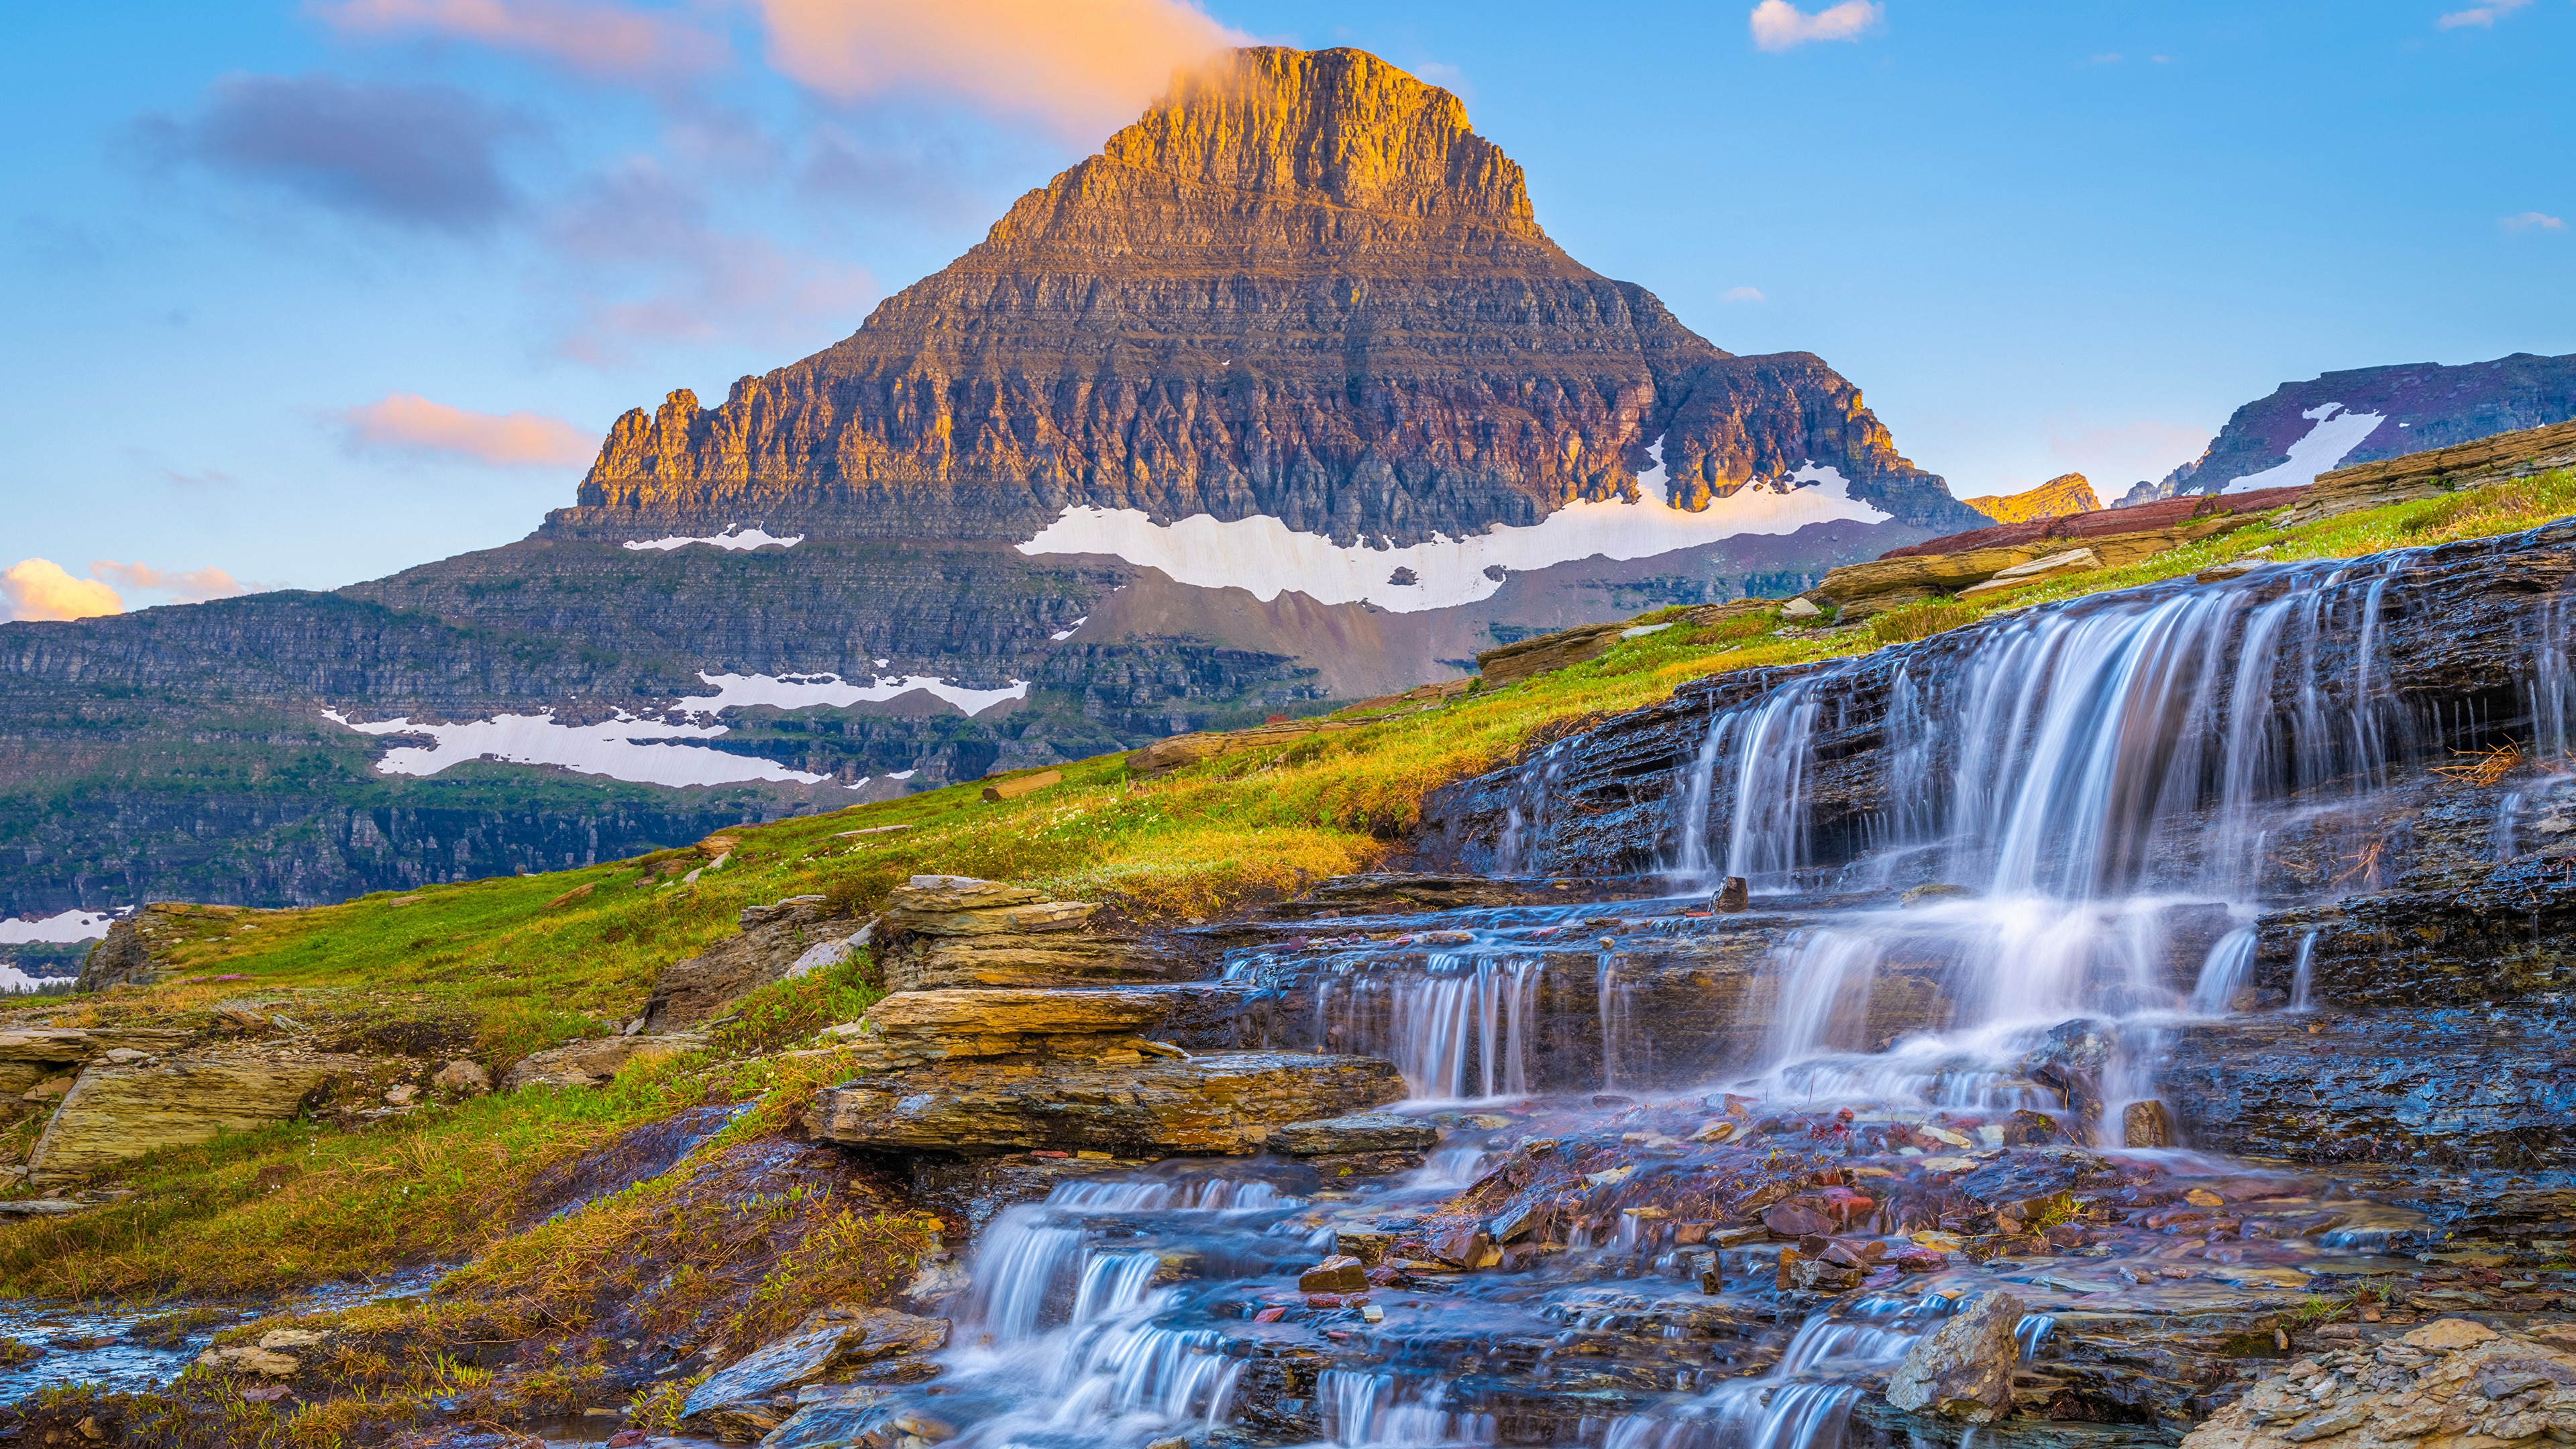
{"x":1779,"y":25}
{"x":2531,"y":221}
{"x":188,"y":586}
{"x":2484,"y":16}
{"x":409,"y":423}
{"x":37,"y":588}
{"x":1743,"y":294}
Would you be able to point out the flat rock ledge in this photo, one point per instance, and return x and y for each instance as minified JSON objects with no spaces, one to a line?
{"x":1227,"y":1103}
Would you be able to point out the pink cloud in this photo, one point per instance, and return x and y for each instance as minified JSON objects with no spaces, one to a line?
{"x":2483,"y":16}
{"x":596,"y":39}
{"x":37,"y":588}
{"x":1779,"y":25}
{"x":1083,"y":68}
{"x":188,"y":586}
{"x":409,"y":423}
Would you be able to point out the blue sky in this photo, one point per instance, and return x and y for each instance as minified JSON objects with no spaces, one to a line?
{"x":303,"y":293}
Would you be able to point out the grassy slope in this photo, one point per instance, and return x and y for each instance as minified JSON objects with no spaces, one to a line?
{"x":512,"y":964}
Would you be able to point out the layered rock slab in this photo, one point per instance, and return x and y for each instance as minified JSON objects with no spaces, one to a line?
{"x":1224,"y":1103}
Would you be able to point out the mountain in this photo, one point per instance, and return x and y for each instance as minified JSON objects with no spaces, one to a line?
{"x":2342,"y":418}
{"x":1283,"y":398}
{"x":2067,"y":493}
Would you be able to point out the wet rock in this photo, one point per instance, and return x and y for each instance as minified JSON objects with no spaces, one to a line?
{"x":1337,"y":1274}
{"x":1796,"y":1219}
{"x":2470,"y":1088}
{"x":1925,"y":894}
{"x":754,"y":1395}
{"x":1733,"y":897}
{"x":1802,"y":1273}
{"x":595,"y":1062}
{"x":2146,"y":1124}
{"x":117,"y":1111}
{"x":1468,"y":1248}
{"x":1964,"y":1368}
{"x":1371,"y":1132}
{"x":2449,"y":1384}
{"x":854,"y":1419}
{"x":1232,"y":1102}
{"x":2032,"y":1129}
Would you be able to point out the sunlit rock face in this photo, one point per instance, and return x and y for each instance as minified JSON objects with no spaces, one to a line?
{"x":1299,"y":287}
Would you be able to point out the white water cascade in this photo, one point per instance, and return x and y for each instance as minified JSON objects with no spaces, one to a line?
{"x":1458,"y":1029}
{"x":2072,"y":781}
{"x":1803,"y":1403}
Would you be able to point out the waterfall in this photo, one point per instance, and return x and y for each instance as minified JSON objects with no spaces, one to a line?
{"x":1458,"y":1027}
{"x":2077,"y":774}
{"x":2302,"y":972}
{"x":1364,"y":1410}
{"x":1802,"y":1403}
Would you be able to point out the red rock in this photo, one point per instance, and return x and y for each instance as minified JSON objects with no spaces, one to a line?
{"x":1795,"y":1218}
{"x":1270,"y":1315}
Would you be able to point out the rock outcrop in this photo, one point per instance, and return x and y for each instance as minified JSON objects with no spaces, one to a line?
{"x":2450,"y":1384}
{"x":2435,"y":471}
{"x":775,"y":941}
{"x":750,"y":1397}
{"x":596,"y":1061}
{"x":117,"y":1110}
{"x":952,"y":932}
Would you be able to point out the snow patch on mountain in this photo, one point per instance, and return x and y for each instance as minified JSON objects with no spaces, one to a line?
{"x":2336,"y":433}
{"x":730,"y":539}
{"x":1265,"y":556}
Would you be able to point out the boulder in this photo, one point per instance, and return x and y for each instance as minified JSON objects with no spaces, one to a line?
{"x":1337,"y":1274}
{"x":1964,"y":1368}
{"x":464,"y":1076}
{"x":595,"y":1062}
{"x":2450,"y":1384}
{"x":774,"y":939}
{"x":1360,"y":1132}
{"x":755,"y":1394}
{"x":245,"y":1359}
{"x":1233,"y":1102}
{"x":119,"y":1110}
{"x":2146,"y":1124}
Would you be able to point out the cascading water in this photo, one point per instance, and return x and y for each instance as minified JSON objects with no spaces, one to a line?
{"x":1804,"y":1401}
{"x":1457,"y":1029}
{"x":2068,"y":784}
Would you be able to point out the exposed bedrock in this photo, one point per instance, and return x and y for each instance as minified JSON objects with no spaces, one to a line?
{"x":2451,"y":635}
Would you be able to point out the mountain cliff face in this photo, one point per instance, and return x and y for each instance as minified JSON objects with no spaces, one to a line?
{"x":2059,"y":497}
{"x":2369,"y":413}
{"x":1298,"y":300}
{"x":1299,"y":287}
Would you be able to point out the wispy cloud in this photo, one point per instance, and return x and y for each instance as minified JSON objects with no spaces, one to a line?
{"x":2531,"y":221}
{"x":2483,"y":16}
{"x":1743,"y":294}
{"x":607,"y":41}
{"x":654,"y":266}
{"x":1779,"y":25}
{"x":1081,"y":68}
{"x":38,"y":588}
{"x":410,"y":424}
{"x":426,"y":156}
{"x":188,"y":586}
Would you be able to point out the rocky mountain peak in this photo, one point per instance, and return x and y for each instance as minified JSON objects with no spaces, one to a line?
{"x":1299,"y":286}
{"x":1328,"y":127}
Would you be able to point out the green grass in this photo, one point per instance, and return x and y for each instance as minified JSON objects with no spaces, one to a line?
{"x":510,"y":965}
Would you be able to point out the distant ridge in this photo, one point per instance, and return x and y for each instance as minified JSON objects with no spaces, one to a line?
{"x":2059,"y":497}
